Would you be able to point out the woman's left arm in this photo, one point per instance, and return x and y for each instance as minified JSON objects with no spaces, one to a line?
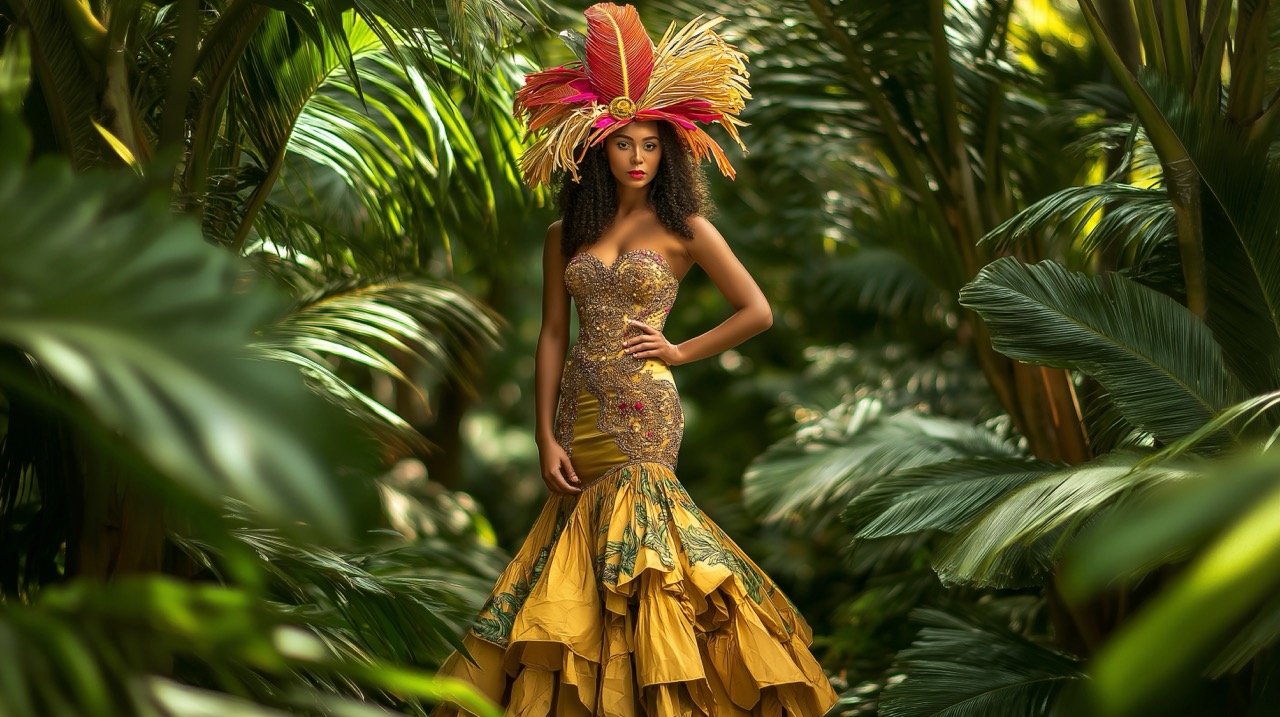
{"x":751,"y":313}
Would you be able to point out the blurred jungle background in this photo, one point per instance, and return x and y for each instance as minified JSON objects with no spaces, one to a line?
{"x":268,"y":303}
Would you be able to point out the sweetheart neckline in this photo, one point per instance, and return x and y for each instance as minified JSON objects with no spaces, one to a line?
{"x":662,"y":261}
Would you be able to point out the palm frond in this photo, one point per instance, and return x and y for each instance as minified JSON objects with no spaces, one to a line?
{"x":436,"y":324}
{"x":1096,"y":217}
{"x":474,"y":31}
{"x":945,"y":496}
{"x":880,"y":220}
{"x":282,"y":72}
{"x":1016,"y":538}
{"x":938,"y":381}
{"x":1159,"y":362}
{"x":1241,"y":222}
{"x":970,"y":665}
{"x":882,"y":281}
{"x":1165,"y":526}
{"x":66,"y":81}
{"x":1250,"y":417}
{"x":1105,"y":423}
{"x":410,"y":158}
{"x":806,"y":478}
{"x":399,"y":604}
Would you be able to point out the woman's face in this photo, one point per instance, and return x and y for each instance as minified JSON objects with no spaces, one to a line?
{"x":634,"y":152}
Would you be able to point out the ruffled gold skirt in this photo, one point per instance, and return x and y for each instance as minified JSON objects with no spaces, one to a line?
{"x":627,"y":601}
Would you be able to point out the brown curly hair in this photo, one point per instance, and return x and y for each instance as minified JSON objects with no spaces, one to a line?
{"x":587,"y":207}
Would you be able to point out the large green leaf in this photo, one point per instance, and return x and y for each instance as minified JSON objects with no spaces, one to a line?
{"x":972,"y":666}
{"x":148,"y":329}
{"x":1260,"y":634}
{"x":1169,"y":527}
{"x":1177,"y":634}
{"x":1159,"y":362}
{"x":92,"y":648}
{"x":1166,"y":526}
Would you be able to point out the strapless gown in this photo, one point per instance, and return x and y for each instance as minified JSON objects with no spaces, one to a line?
{"x":626,"y":600}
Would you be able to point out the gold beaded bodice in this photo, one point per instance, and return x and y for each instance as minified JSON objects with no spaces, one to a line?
{"x":638,"y":403}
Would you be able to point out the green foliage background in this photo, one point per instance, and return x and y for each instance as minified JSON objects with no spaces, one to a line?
{"x":266,"y":348}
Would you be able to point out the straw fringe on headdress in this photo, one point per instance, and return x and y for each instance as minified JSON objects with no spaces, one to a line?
{"x":691,"y":76}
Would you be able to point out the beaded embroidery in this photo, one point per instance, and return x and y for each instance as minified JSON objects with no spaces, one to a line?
{"x":639,"y":410}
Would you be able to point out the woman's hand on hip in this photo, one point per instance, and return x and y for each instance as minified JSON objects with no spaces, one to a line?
{"x":557,"y":469}
{"x":650,"y":343}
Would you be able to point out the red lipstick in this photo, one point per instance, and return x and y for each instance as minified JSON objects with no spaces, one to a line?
{"x":636,"y":174}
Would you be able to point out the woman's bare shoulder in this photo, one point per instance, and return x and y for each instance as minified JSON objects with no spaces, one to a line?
{"x":705,"y":234}
{"x":552,"y":243}
{"x":700,"y":224}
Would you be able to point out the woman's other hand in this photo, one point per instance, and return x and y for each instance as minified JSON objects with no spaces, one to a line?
{"x":557,"y":470}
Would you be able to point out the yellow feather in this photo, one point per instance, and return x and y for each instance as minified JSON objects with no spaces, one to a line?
{"x":622,"y":53}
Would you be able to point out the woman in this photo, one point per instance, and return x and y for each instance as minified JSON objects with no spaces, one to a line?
{"x":625,"y":600}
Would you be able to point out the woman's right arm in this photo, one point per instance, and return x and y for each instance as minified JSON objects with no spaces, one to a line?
{"x":553,"y":342}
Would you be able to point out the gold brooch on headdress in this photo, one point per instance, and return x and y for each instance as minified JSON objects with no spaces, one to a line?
{"x":691,"y":76}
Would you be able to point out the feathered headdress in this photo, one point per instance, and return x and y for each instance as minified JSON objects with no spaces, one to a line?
{"x":691,"y":76}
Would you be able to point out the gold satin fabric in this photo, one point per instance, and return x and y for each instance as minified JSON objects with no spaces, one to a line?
{"x":594,"y":451}
{"x":627,"y":601}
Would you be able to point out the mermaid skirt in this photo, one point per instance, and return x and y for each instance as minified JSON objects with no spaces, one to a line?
{"x":627,"y":601}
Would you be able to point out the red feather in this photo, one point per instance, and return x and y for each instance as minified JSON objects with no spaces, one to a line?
{"x":548,"y":86}
{"x":619,"y":51}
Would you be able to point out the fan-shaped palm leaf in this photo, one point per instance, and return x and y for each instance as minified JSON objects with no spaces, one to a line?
{"x":1160,"y":364}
